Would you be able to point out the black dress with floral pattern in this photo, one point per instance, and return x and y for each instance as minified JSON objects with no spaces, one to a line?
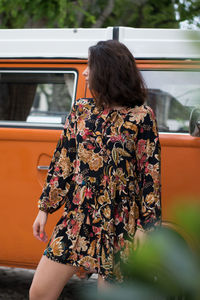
{"x":106,"y":170}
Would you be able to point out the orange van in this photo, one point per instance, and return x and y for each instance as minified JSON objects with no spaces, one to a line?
{"x":41,"y":76}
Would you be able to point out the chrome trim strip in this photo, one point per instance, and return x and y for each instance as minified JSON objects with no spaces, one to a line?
{"x":41,"y":168}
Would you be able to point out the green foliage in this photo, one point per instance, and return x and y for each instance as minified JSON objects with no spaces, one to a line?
{"x":188,"y":9}
{"x":85,"y":13}
{"x":41,"y":13}
{"x":144,"y":14}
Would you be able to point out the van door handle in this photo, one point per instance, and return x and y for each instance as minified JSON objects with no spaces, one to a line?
{"x":41,"y":168}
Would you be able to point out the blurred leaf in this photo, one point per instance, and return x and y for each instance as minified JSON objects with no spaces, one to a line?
{"x":188,"y":219}
{"x":166,"y":263}
{"x":133,"y":291}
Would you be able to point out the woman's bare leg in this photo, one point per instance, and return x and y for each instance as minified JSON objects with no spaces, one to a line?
{"x":49,"y":279}
{"x":102,"y":284}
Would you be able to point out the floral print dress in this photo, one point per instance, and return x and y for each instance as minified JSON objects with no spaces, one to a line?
{"x":106,"y":171}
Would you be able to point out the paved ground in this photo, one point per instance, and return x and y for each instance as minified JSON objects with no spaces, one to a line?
{"x":15,"y":283}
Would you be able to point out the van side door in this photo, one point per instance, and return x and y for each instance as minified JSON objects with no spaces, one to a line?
{"x":35,"y":98}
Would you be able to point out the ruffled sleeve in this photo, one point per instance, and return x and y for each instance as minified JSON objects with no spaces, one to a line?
{"x":148,"y":172}
{"x":60,"y":171}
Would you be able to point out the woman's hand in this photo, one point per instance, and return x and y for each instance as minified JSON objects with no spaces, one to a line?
{"x":39,"y":226}
{"x":139,"y":238}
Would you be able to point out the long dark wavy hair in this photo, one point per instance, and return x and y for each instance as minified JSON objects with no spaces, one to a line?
{"x":114,"y":78}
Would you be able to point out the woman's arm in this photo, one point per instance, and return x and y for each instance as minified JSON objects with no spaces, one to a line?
{"x":58,"y":177}
{"x":148,"y":170}
{"x":60,"y":171}
{"x":39,"y":226}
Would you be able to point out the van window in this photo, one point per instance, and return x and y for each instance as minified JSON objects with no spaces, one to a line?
{"x":172,"y":95}
{"x":36,"y":97}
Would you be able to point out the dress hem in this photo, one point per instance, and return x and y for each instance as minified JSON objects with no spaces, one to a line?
{"x":79,"y":268}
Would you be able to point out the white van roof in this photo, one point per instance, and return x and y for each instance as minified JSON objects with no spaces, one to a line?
{"x":74,"y":43}
{"x":161,"y":43}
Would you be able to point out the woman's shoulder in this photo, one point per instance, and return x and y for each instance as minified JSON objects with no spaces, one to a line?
{"x":140,"y":114}
{"x":84,"y":102}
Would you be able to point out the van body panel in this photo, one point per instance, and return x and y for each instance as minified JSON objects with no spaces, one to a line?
{"x":22,"y":151}
{"x":179,"y":170}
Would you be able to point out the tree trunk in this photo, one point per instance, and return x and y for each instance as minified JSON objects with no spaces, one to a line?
{"x":105,"y":14}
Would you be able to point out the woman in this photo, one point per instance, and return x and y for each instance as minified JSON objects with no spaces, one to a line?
{"x":106,"y":170}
